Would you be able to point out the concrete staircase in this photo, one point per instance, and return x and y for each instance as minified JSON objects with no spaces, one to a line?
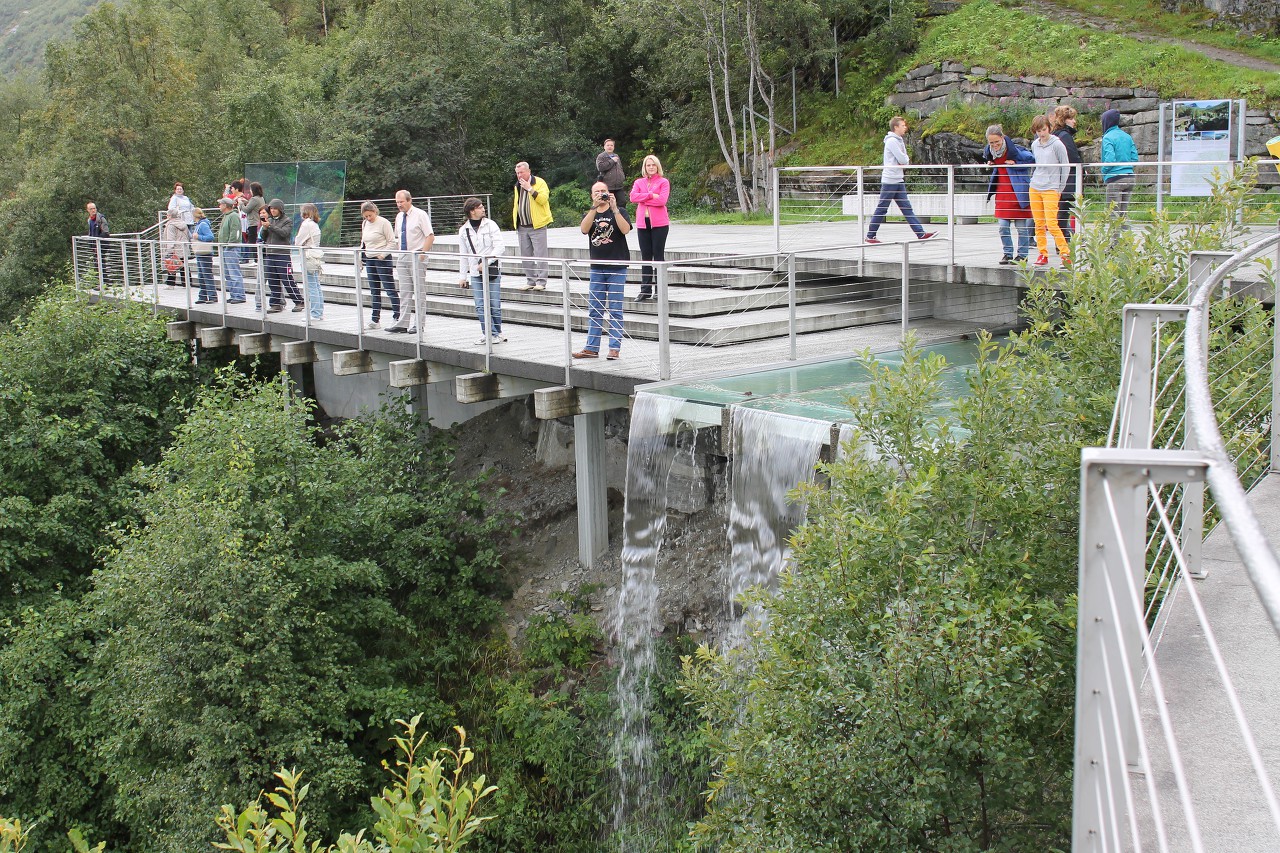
{"x":711,"y":302}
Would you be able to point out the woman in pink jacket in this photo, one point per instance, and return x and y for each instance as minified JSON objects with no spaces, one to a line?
{"x":649,"y":194}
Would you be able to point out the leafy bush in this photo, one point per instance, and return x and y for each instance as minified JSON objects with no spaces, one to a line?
{"x":427,"y":809}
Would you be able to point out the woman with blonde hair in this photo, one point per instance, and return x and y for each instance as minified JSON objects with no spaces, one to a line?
{"x":649,"y":194}
{"x":1063,"y":125}
{"x":311,"y":257}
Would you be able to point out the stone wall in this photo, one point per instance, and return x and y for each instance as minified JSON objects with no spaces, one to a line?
{"x":929,"y":88}
{"x":1260,"y":17}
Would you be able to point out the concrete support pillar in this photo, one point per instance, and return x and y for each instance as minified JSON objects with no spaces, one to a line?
{"x":593,"y":502}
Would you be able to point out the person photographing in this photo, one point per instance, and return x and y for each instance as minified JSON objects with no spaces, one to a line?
{"x":606,"y":228}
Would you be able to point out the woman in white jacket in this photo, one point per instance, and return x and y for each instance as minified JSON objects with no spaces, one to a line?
{"x":310,"y":257}
{"x":480,"y":243}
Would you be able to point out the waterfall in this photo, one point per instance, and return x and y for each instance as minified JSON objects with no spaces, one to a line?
{"x":772,"y":454}
{"x":651,"y":450}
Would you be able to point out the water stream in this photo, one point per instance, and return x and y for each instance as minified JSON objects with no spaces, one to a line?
{"x":772,"y":454}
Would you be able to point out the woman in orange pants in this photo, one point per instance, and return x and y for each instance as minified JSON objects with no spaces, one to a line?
{"x":1048,"y":180}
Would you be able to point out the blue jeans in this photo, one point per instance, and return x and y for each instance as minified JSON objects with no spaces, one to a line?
{"x":495,"y":302}
{"x":1025,"y":229}
{"x":896,"y":193}
{"x":605,"y":293}
{"x":381,"y":280}
{"x":232,"y":277}
{"x":313,"y":293}
{"x":204,"y":277}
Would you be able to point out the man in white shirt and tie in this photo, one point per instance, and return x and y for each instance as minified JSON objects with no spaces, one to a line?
{"x":414,"y":237}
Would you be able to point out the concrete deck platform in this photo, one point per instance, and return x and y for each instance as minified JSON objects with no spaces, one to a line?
{"x":1228,"y":802}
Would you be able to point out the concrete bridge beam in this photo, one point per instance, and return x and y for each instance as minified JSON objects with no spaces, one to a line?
{"x":420,"y":371}
{"x":561,"y":401}
{"x":257,"y":343}
{"x":481,"y":387}
{"x":180,"y":330}
{"x":214,"y":337}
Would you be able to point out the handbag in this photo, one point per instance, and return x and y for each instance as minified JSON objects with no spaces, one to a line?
{"x":199,"y":247}
{"x":314,"y":259}
{"x":495,"y":270}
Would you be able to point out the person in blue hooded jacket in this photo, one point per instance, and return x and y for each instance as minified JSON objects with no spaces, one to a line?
{"x":1117,"y":180}
{"x":1010,"y":183}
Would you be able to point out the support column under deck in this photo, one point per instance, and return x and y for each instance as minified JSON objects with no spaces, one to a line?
{"x":593,"y":502}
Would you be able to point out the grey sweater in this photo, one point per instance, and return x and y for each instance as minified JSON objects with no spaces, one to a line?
{"x":1052,"y":165}
{"x":895,"y":156}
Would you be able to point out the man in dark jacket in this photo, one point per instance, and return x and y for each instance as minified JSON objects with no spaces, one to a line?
{"x":276,"y":229}
{"x":609,"y":170}
{"x":98,"y":226}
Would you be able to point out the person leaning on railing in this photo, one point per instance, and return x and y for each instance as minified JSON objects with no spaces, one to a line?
{"x":1010,"y":185}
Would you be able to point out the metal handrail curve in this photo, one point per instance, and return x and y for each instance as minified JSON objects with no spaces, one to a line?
{"x":1246,"y":532}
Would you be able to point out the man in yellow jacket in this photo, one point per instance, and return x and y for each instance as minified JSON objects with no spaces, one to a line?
{"x":531,"y":214}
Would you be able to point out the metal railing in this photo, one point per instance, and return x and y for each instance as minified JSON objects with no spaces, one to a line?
{"x":709,"y":302}
{"x":957,"y":194}
{"x":445,"y":212}
{"x":1168,"y":713}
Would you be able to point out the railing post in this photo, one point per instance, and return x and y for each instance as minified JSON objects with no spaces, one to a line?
{"x":1159,"y":162}
{"x":75,"y":263}
{"x":568,"y":321}
{"x":664,"y":323}
{"x":1078,"y":213}
{"x":259,"y":278}
{"x":1275,"y":375}
{"x":486,"y":325}
{"x":1111,"y":632}
{"x":951,"y":223}
{"x":906,"y":289}
{"x":124,"y":270}
{"x":777,"y":213}
{"x":417,"y":301}
{"x":862,"y":225}
{"x":359,"y":264}
{"x":791,"y":302}
{"x":102,"y":275}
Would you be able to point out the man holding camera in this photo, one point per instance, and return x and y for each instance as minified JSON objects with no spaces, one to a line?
{"x":531,"y":214}
{"x":606,"y":228}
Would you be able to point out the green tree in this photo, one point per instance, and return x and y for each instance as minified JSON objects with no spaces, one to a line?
{"x":279,"y":601}
{"x":86,"y":392}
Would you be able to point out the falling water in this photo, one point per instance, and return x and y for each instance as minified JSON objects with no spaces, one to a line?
{"x":651,"y":449}
{"x":772,"y":454}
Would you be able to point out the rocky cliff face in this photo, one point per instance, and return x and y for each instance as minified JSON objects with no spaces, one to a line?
{"x":929,"y":88}
{"x":1254,"y":17}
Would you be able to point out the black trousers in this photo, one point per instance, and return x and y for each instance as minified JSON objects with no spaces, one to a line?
{"x":653,"y":247}
{"x":1065,"y":201}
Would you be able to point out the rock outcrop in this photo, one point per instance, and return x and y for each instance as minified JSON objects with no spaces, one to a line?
{"x":930,"y":88}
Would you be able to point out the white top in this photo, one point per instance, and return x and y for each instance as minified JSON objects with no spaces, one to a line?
{"x":474,"y":246}
{"x":183,"y":207}
{"x":417,"y":229}
{"x":308,"y":236}
{"x":376,"y":237}
{"x":1052,"y":165}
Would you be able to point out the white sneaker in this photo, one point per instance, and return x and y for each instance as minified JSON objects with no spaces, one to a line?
{"x":370,"y":326}
{"x":482,"y":341}
{"x":499,"y":338}
{"x":539,"y":287}
{"x":529,"y":287}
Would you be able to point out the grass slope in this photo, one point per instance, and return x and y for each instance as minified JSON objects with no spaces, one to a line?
{"x":26,"y":26}
{"x":1014,"y":42}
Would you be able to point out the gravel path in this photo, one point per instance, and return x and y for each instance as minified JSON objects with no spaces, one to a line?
{"x":1058,"y":13}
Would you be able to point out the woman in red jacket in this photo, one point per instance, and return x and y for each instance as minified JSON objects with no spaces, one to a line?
{"x":649,"y":194}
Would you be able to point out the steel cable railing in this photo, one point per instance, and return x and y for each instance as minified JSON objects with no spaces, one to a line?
{"x":1196,"y":405}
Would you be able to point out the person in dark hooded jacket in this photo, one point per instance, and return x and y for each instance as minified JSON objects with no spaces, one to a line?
{"x":276,"y":229}
{"x":1009,"y":183}
{"x":1063,"y":124}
